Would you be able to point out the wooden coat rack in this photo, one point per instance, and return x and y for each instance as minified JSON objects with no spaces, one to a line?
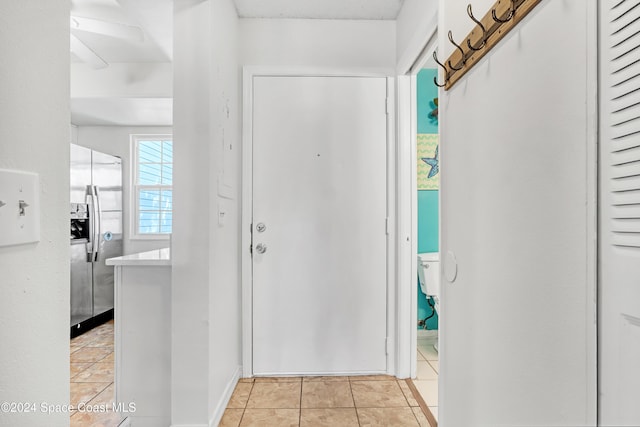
{"x":488,"y":31}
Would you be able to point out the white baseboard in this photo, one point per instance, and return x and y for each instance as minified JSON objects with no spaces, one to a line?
{"x":217,"y":414}
{"x":427,"y":333}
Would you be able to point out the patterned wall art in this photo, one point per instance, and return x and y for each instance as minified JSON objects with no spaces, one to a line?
{"x":428,"y":162}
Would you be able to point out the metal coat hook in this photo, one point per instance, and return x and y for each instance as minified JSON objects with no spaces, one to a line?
{"x":512,"y":13}
{"x":450,"y":35}
{"x":484,"y":30}
{"x":485,"y":33}
{"x":435,"y":79}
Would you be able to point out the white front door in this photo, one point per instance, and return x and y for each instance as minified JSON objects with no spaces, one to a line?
{"x":319,"y":233}
{"x":518,"y":144}
{"x":619,"y":320}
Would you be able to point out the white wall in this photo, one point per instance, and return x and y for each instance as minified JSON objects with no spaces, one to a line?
{"x":225,"y":157}
{"x":206,"y":284}
{"x":414,"y":25}
{"x":34,"y":136}
{"x":337,"y":44}
{"x":115,"y":140}
{"x":518,"y":145}
{"x":123,"y":80}
{"x":191,"y":244}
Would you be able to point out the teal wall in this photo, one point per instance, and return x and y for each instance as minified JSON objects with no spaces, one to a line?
{"x":428,"y":221}
{"x":426,"y":92}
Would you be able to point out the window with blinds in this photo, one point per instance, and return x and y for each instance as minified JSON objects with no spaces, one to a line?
{"x":624,"y":122}
{"x":152,"y":185}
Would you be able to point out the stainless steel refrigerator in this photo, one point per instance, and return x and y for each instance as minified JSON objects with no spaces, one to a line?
{"x":95,"y":234}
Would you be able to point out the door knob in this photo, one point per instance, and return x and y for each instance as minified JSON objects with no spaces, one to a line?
{"x":450,"y":267}
{"x":261,"y":248}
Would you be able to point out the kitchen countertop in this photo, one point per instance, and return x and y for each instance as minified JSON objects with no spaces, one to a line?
{"x":158,"y":257}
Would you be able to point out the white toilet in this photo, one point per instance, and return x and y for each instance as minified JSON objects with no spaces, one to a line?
{"x":429,"y":276}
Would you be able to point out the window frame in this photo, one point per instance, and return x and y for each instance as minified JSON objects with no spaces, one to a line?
{"x":135,"y":188}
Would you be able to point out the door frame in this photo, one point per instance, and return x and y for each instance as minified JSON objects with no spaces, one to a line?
{"x":247,"y":201}
{"x":407,"y":207}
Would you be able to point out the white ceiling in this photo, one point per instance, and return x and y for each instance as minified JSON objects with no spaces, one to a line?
{"x":127,"y":12}
{"x":155,"y":19}
{"x":319,"y":9}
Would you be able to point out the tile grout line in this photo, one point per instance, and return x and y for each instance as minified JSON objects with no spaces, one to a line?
{"x":355,"y":406}
{"x":108,"y":385}
{"x":407,"y":400}
{"x":300,"y":410}
{"x":402,"y":391}
{"x":90,"y":365}
{"x":423,"y":405}
{"x":244,"y":410}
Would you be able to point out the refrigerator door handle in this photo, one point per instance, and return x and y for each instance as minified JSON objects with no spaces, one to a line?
{"x":96,"y":246}
{"x":92,"y":224}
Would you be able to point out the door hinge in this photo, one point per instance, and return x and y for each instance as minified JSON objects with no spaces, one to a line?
{"x":386,"y":226}
{"x":251,"y":244}
{"x":387,"y":345}
{"x":387,"y":108}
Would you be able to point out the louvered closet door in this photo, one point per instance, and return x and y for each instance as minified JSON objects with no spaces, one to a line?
{"x":619,"y":328}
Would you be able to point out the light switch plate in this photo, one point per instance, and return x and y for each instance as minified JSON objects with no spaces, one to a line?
{"x":19,"y":207}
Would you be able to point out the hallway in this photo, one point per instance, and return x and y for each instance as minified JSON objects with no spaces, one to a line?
{"x":293,"y":401}
{"x":540,"y":217}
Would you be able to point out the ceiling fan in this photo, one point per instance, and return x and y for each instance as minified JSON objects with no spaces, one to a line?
{"x":97,"y":26}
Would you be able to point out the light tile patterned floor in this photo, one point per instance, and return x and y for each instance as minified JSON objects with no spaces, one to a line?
{"x":92,"y":375}
{"x":427,"y":376}
{"x":378,"y":400}
{"x":264,"y":402}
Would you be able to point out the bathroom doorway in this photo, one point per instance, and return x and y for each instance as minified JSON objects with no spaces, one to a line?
{"x":425,"y":136}
{"x":421,"y":362}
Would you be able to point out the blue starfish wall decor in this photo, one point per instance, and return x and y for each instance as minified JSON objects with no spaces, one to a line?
{"x":433,"y":162}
